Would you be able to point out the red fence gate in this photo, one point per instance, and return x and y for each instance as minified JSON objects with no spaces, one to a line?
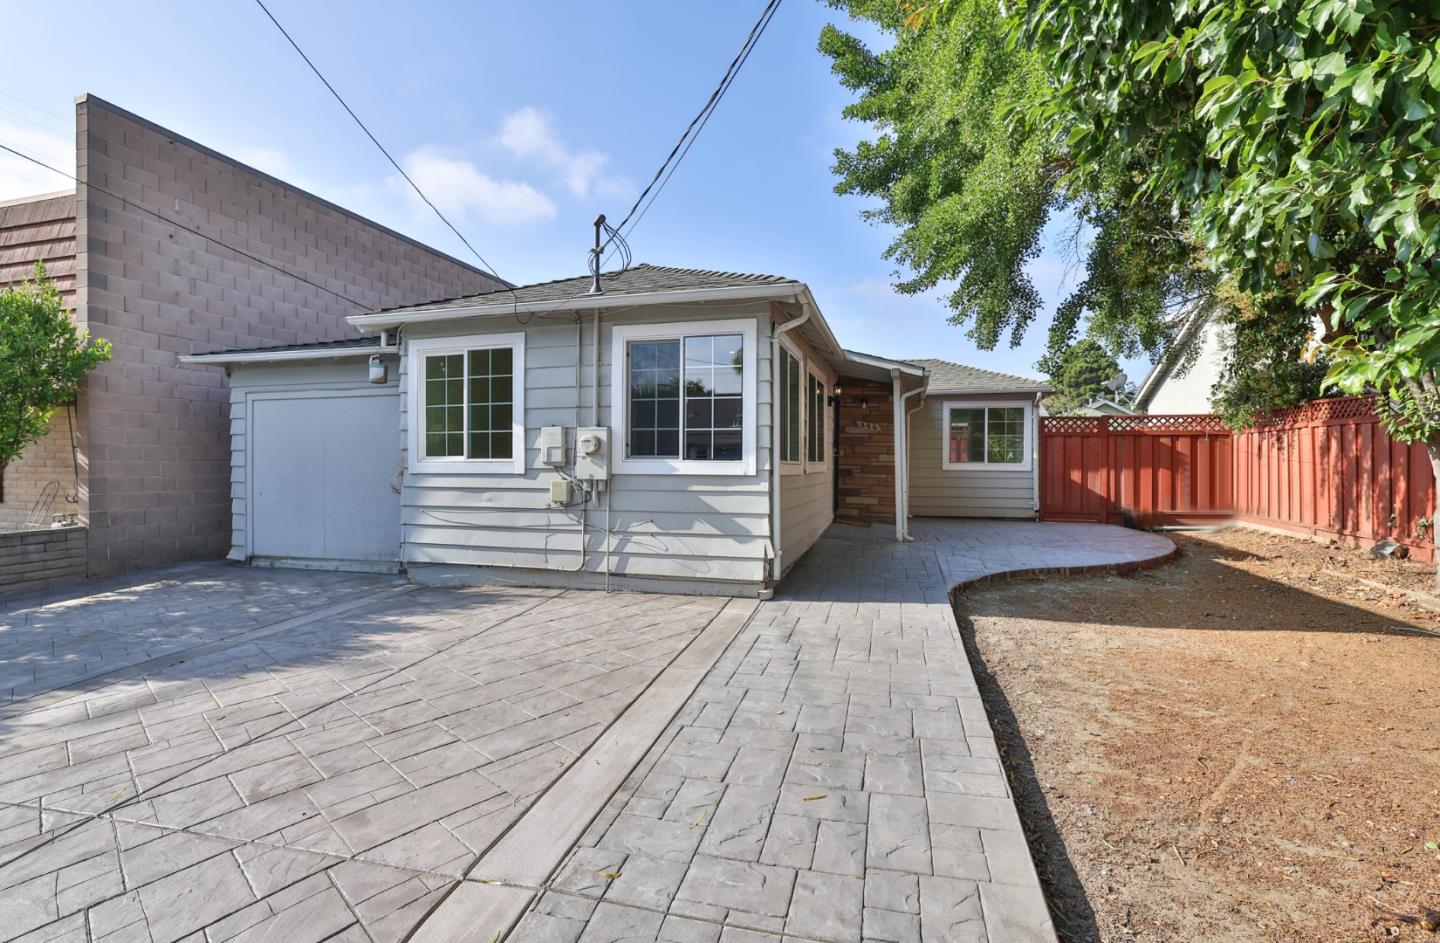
{"x":1143,"y":471}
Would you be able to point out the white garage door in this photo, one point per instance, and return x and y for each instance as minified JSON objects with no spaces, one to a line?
{"x":320,"y":469}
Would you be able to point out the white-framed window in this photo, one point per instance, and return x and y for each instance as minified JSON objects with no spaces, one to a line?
{"x":684,"y":397}
{"x":815,"y":424}
{"x":467,"y":404}
{"x":993,"y":435}
{"x":792,"y":406}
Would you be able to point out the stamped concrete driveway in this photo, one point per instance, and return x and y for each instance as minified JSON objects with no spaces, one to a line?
{"x":220,"y":753}
{"x":833,"y":779}
{"x":215,"y":753}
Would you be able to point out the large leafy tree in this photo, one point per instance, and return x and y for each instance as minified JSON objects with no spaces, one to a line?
{"x":1081,"y":373}
{"x":43,"y":361}
{"x":967,"y":170}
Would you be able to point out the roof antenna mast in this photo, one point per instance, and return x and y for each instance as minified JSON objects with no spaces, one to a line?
{"x":595,"y":288}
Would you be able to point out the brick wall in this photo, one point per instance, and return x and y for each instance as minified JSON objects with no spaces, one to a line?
{"x":40,"y":229}
{"x":33,"y":559}
{"x":867,"y":452}
{"x":159,"y":449}
{"x":42,"y":462}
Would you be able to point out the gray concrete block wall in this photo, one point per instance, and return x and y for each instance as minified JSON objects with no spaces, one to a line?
{"x":34,"y":559}
{"x":158,"y":450}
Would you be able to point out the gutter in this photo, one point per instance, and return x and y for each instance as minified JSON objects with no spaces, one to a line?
{"x":784,"y":292}
{"x":276,"y":356}
{"x":776,"y":568}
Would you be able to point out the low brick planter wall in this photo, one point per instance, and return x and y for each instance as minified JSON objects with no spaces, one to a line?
{"x":33,"y":559}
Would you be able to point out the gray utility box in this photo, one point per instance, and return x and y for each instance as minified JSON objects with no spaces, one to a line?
{"x":592,"y":453}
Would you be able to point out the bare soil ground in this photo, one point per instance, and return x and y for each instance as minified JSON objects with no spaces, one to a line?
{"x":1240,"y":745}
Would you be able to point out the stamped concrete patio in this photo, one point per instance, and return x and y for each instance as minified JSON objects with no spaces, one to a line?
{"x":216,"y":753}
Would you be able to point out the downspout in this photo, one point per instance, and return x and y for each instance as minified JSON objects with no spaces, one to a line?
{"x":897,"y":407}
{"x":902,"y":485}
{"x":1035,"y":452}
{"x":909,"y":413}
{"x":774,"y":543}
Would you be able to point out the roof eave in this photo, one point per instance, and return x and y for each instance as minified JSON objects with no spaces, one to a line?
{"x":989,"y":391}
{"x":229,"y":357}
{"x":769,"y":292}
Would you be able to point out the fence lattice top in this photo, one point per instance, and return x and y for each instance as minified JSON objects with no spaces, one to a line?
{"x":1158,"y":424}
{"x":1321,"y":410}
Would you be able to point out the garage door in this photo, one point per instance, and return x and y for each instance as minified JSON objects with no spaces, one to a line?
{"x":320,"y":469}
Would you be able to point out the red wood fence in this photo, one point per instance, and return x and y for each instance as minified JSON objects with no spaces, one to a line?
{"x":1327,"y":468}
{"x":1143,"y":471}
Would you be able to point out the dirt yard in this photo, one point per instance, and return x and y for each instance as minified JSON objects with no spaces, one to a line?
{"x":1240,"y":745}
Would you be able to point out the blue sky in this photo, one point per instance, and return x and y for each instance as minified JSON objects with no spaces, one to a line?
{"x":522,"y":121}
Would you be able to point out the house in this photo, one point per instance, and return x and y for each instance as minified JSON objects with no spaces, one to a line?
{"x":1103,"y":407}
{"x":1181,"y":381}
{"x":166,"y":247}
{"x":676,"y":429}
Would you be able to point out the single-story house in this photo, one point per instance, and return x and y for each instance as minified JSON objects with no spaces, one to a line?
{"x":675,"y":429}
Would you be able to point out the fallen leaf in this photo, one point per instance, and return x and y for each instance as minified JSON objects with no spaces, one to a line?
{"x":609,"y":875}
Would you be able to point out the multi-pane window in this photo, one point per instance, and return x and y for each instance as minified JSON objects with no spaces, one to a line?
{"x":815,"y":420}
{"x":990,"y":435}
{"x":685,"y":398}
{"x":469,"y":401}
{"x":654,"y":399}
{"x":791,"y":405}
{"x":713,"y":370}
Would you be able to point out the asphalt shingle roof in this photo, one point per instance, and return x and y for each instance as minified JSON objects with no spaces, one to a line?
{"x":638,"y":279}
{"x":947,"y":377}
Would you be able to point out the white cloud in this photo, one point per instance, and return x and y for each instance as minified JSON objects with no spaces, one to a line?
{"x":529,"y":134}
{"x":457,"y":185}
{"x":20,"y":178}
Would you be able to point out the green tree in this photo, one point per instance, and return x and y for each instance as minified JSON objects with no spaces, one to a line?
{"x":43,"y":360}
{"x":1299,"y":139}
{"x":1079,"y":374}
{"x":968,"y":170}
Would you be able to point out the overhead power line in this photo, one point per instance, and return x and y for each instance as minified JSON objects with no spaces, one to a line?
{"x":190,"y":229}
{"x":692,"y":130}
{"x":376,"y":141}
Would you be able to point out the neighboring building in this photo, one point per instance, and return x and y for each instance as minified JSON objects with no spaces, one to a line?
{"x":40,"y":229}
{"x":1103,"y":407}
{"x":681,"y":430}
{"x":177,"y":248}
{"x":1182,"y":380}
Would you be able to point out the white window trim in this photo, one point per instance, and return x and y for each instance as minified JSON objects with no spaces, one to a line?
{"x":948,"y":405}
{"x":790,"y":466}
{"x":825,"y":431}
{"x":623,"y":334}
{"x":420,"y":348}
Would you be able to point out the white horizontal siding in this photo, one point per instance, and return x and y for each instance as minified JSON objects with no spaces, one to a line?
{"x":970,"y":492}
{"x":807,"y":496}
{"x":678,"y":526}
